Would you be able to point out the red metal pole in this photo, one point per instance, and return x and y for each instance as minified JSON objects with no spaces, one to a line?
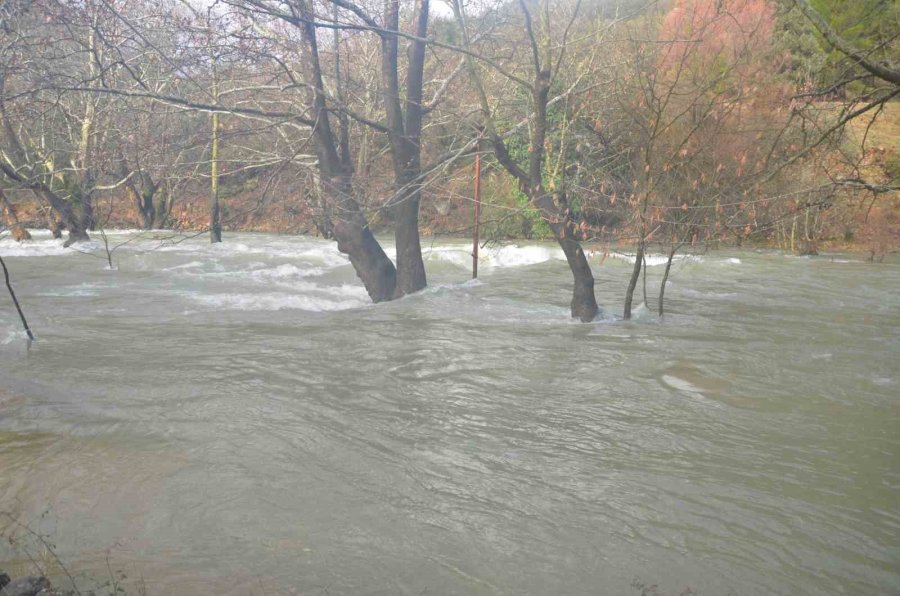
{"x":477,"y":215}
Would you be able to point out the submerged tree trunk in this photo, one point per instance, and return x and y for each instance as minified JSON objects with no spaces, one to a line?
{"x":54,"y":224}
{"x":215,"y":223}
{"x":163,"y":211}
{"x":530,"y":177}
{"x":584,"y":303}
{"x":351,"y":230}
{"x":67,"y":216}
{"x":88,"y":221}
{"x":632,"y":283}
{"x":76,"y":235}
{"x":404,"y":134}
{"x":151,"y":214}
{"x":355,"y":239}
{"x":146,"y":209}
{"x":644,"y":278}
{"x":794,"y":235}
{"x":410,"y":267}
{"x":142,"y":194}
{"x":18,"y":231}
{"x":665,"y":278}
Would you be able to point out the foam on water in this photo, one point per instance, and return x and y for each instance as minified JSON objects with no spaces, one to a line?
{"x":286,"y":271}
{"x":318,"y":251}
{"x":517,"y":256}
{"x":707,"y":295}
{"x":189,"y":265}
{"x":136,"y":232}
{"x":80,"y":290}
{"x":437,"y":288}
{"x":10,"y":335}
{"x":681,"y":385}
{"x":313,"y":299}
{"x":534,"y":454}
{"x":33,"y":248}
{"x":641,"y":313}
{"x":511,"y":255}
{"x":286,"y":274}
{"x":44,"y":245}
{"x":656,"y":260}
{"x":315,"y":251}
{"x":456,"y":255}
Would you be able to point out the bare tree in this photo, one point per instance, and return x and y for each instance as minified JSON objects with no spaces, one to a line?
{"x":50,"y":139}
{"x":546,"y":53}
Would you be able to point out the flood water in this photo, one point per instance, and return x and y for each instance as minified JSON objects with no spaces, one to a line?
{"x":238,"y":419}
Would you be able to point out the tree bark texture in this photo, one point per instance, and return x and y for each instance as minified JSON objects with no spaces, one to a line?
{"x":351,"y":230}
{"x":635,"y":275}
{"x":404,"y":135}
{"x":18,"y":231}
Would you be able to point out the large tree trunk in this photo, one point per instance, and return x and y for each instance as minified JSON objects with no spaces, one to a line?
{"x":355,"y":239}
{"x":404,"y":133}
{"x":88,"y":221}
{"x":164,"y":206}
{"x":215,"y":223}
{"x":68,"y":217}
{"x":54,"y":224}
{"x":19,"y":233}
{"x":410,"y":266}
{"x":76,"y":235}
{"x":351,"y":230}
{"x":161,"y":214}
{"x":147,"y":212}
{"x":142,"y":196}
{"x":584,"y":303}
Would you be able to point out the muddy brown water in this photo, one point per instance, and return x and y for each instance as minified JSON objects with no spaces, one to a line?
{"x":237,"y":419}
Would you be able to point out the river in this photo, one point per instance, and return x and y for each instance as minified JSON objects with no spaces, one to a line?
{"x":238,"y":419}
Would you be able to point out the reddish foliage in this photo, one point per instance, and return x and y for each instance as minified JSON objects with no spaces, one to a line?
{"x":716,"y":34}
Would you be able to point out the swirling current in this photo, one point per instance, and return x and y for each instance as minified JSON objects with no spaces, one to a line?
{"x":239,"y":419}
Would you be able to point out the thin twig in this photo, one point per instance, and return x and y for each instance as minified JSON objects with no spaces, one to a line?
{"x":16,"y":300}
